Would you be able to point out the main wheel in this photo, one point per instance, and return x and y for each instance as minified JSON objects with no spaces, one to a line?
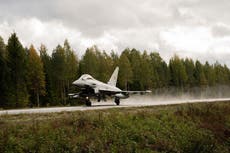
{"x":117,"y":101}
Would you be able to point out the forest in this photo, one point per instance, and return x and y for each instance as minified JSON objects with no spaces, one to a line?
{"x":31,"y":77}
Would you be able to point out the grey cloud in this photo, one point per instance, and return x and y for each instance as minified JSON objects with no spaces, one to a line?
{"x":134,"y":23}
{"x":106,"y":14}
{"x":211,"y":10}
{"x":220,"y":30}
{"x":93,"y":17}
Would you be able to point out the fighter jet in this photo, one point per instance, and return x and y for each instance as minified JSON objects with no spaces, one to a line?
{"x":92,"y":88}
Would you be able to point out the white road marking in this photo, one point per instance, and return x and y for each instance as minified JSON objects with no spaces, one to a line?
{"x":134,"y":102}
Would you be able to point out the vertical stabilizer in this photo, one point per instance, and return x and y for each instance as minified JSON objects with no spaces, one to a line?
{"x":113,"y":80}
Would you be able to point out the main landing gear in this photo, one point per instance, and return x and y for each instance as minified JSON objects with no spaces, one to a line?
{"x":117,"y":100}
{"x":88,"y":102}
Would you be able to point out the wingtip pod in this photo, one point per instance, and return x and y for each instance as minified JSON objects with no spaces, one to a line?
{"x":113,"y":80}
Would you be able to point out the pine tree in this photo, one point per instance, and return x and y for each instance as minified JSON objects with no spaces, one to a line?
{"x":90,"y":63}
{"x":46,"y":60}
{"x":190,"y":67}
{"x":18,"y":95}
{"x":115,"y":59}
{"x":71,"y":67}
{"x":178,"y":72}
{"x":125,"y":73}
{"x":226,"y":75}
{"x":159,"y":70}
{"x":209,"y":74}
{"x":135,"y":61}
{"x":3,"y":74}
{"x":36,"y":76}
{"x":145,"y":80}
{"x":199,"y":75}
{"x":58,"y":68}
{"x":105,"y":66}
{"x":71,"y":64}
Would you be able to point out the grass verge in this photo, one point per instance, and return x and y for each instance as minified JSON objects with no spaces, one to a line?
{"x":190,"y":128}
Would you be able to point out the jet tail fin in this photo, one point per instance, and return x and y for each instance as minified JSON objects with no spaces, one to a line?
{"x":113,"y":80}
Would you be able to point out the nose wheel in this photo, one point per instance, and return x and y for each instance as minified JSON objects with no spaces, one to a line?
{"x":117,"y":101}
{"x":88,"y":102}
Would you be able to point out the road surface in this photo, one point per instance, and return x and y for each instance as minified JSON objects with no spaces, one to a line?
{"x":131,"y":102}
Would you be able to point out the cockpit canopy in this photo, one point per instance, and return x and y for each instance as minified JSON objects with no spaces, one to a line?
{"x":86,"y":77}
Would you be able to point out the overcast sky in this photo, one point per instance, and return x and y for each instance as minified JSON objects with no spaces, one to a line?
{"x":199,"y":29}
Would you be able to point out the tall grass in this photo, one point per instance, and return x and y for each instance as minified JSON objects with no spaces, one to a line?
{"x":189,"y":128}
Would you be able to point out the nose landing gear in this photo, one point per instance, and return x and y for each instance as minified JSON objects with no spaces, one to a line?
{"x":88,"y":102}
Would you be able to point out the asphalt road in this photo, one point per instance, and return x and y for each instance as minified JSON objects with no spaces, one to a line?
{"x":131,"y":102}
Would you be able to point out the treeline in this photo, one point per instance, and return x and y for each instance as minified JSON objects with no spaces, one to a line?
{"x":30,"y":77}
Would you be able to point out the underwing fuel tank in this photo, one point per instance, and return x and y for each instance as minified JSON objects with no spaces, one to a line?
{"x":121,"y":96}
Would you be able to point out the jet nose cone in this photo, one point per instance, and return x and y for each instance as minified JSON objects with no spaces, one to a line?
{"x":76,"y":82}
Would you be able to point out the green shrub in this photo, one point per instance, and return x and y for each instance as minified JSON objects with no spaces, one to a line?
{"x":189,"y":128}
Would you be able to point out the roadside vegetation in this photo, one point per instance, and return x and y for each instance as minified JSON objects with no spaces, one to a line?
{"x":188,"y":128}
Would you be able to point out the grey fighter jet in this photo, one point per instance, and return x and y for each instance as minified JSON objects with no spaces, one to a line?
{"x":92,"y":88}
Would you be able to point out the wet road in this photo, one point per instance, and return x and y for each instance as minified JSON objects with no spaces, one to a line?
{"x":131,"y":102}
